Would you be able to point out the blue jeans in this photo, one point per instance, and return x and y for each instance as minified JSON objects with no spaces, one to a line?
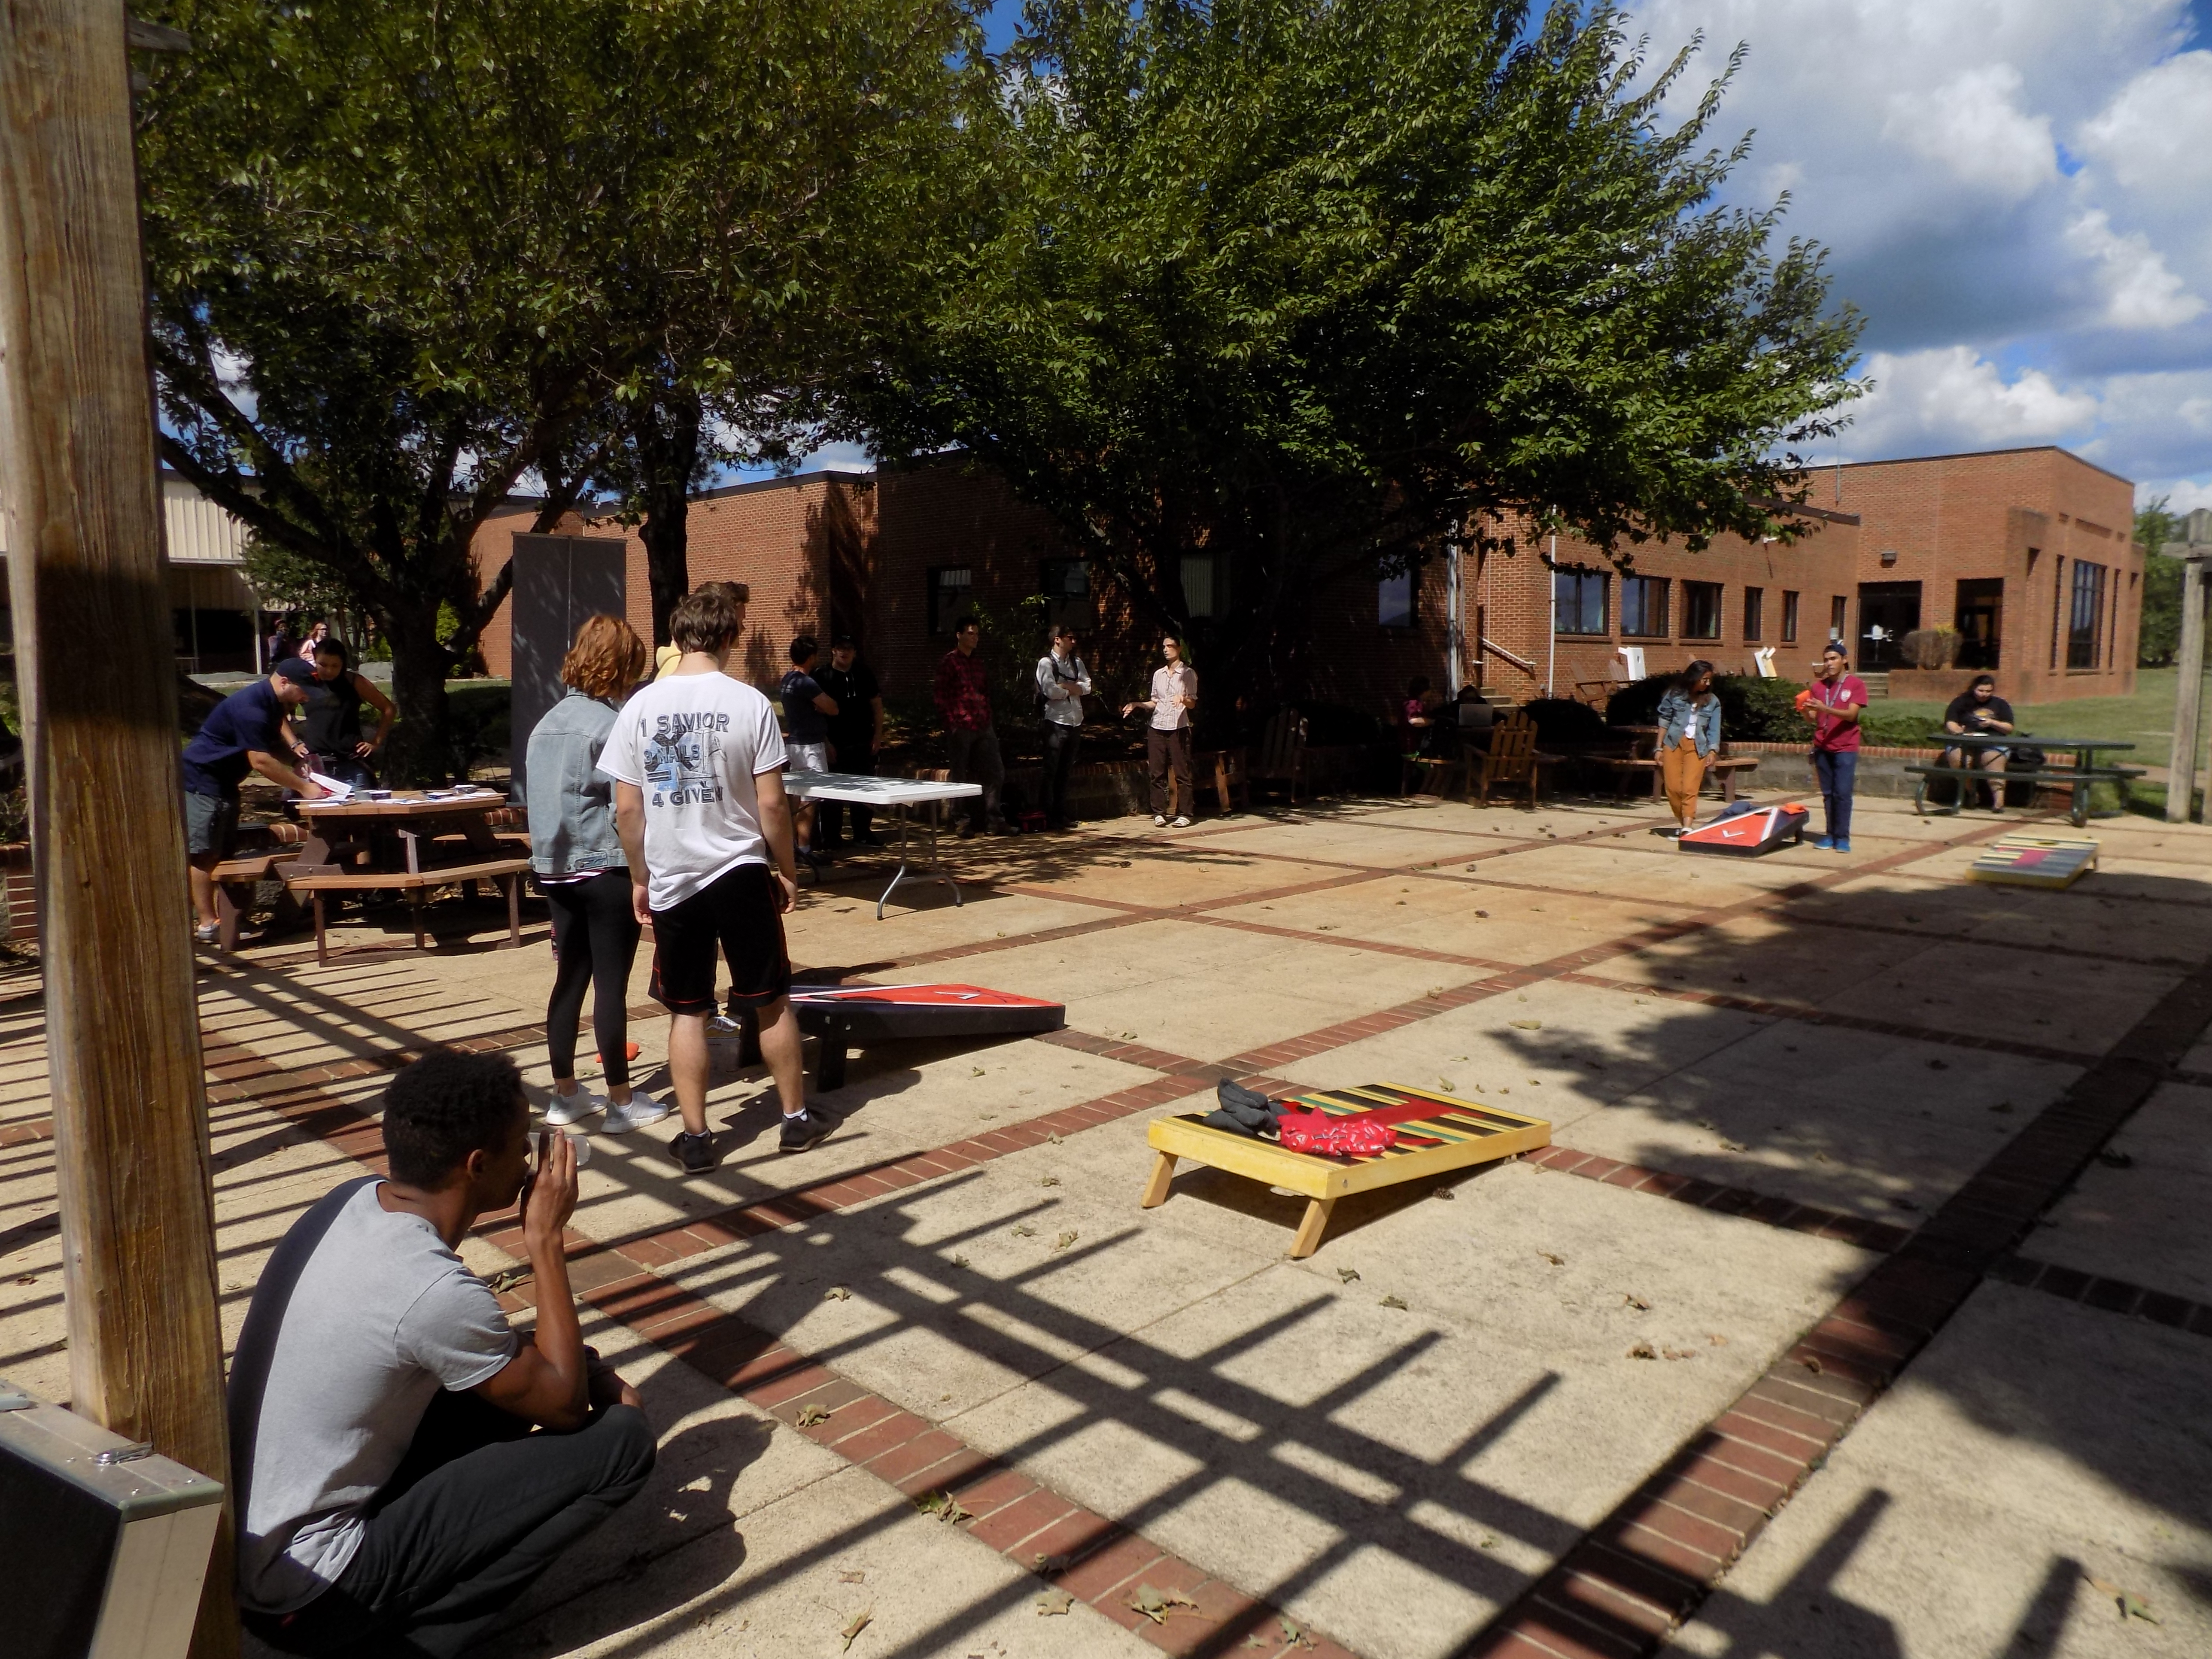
{"x":1836,"y":771}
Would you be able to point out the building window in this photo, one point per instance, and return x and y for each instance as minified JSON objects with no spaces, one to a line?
{"x":1755,"y":613}
{"x":1789,"y":617}
{"x":2058,"y":606}
{"x":1838,"y":615}
{"x":1202,"y":585}
{"x":2085,"y":628}
{"x":1063,"y":579}
{"x":1394,"y":600}
{"x":1701,"y":610}
{"x":1644,"y":607}
{"x":949,"y":586}
{"x":1578,"y":601}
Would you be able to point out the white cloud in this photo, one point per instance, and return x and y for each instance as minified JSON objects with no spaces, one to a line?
{"x":1952,"y":399}
{"x":2156,"y":135}
{"x":2140,"y":292}
{"x":2182,"y":495}
{"x":1972,"y":127}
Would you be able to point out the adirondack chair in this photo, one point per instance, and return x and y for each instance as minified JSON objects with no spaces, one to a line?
{"x":1282,"y":757}
{"x":1512,"y":758}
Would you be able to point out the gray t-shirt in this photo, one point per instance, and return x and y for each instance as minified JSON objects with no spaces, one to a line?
{"x":384,"y":1315}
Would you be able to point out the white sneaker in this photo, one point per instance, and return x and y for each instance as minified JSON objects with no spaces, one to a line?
{"x":1180,"y":824}
{"x":642,"y":1109}
{"x":1159,"y":820}
{"x":562,"y":1110}
{"x":723,"y":1025}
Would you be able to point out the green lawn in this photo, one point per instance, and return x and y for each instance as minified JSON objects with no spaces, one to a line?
{"x":2145,"y":719}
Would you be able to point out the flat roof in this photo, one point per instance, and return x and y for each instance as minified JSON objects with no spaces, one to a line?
{"x":1970,"y":455}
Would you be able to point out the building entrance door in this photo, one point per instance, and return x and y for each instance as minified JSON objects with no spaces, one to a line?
{"x":559,"y":580}
{"x":1981,"y":621}
{"x":1887,"y":613}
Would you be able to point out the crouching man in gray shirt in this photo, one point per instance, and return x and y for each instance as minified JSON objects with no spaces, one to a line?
{"x":404,"y":1466}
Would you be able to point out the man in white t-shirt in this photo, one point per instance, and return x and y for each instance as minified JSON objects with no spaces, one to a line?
{"x":697,"y":762}
{"x":403,"y":1466}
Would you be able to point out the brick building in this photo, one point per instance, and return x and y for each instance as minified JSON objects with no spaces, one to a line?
{"x":2028,"y":553}
{"x":2018,"y":549}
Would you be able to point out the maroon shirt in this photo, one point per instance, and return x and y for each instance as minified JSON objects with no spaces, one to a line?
{"x":1844,"y":691}
{"x":961,"y":699}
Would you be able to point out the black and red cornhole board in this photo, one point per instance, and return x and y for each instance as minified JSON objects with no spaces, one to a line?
{"x":855,"y":1016}
{"x":1748,"y":835}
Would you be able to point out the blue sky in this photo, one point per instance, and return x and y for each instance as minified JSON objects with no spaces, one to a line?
{"x":2017,"y":193}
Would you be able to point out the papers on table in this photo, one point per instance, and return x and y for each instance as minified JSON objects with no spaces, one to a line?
{"x":331,"y":786}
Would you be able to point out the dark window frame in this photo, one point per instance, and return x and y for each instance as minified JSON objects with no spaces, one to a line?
{"x":1754,"y":614}
{"x":1645,"y":587}
{"x":2084,"y":617}
{"x":1412,"y":612}
{"x":940,"y":619}
{"x":1789,"y":607}
{"x":1693,"y":594}
{"x":1581,"y":585}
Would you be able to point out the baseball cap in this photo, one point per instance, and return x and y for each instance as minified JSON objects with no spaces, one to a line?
{"x":297,"y":670}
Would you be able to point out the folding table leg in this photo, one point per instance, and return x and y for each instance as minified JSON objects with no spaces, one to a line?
{"x":1156,"y":1189}
{"x":322,"y":946}
{"x":515,"y":910}
{"x":415,"y":911}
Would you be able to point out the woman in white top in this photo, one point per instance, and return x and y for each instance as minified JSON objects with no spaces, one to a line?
{"x":1174,"y":697}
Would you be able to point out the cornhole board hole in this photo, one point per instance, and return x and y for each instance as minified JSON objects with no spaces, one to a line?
{"x":2035,"y":860}
{"x":844,"y":1017}
{"x":1457,"y":1134}
{"x":1748,"y":835}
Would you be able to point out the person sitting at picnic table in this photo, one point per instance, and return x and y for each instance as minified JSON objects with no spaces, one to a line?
{"x":1689,"y":737}
{"x":247,"y":731}
{"x":576,"y":858}
{"x":331,"y":728}
{"x":404,"y":1465}
{"x":1978,"y":710}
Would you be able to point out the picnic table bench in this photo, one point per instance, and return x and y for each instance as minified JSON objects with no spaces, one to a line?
{"x":389,"y":843}
{"x":2078,"y":780}
{"x":235,"y":878}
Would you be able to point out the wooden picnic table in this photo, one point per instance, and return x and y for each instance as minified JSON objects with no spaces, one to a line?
{"x":386,"y":840}
{"x":2078,"y":779}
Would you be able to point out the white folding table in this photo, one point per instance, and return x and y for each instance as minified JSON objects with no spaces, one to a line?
{"x":898,"y":796}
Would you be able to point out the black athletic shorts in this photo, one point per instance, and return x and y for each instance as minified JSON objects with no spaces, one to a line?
{"x":741,"y":910}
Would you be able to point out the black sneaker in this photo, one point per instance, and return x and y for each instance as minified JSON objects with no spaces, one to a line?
{"x":805,"y":1130}
{"x":694,"y":1152}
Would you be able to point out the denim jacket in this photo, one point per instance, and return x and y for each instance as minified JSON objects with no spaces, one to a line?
{"x":572,"y":802}
{"x":1678,"y":714}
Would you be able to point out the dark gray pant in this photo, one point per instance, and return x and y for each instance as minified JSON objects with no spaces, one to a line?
{"x":974,"y":759}
{"x":1060,"y":744}
{"x":478,"y":1509}
{"x":1165,"y":752}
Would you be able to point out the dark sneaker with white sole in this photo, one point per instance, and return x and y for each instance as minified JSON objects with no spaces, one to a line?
{"x":694,"y":1152}
{"x":808,"y":1129}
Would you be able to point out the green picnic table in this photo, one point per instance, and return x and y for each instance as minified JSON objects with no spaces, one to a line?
{"x":2078,"y":778}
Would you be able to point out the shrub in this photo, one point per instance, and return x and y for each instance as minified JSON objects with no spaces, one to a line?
{"x":1329,"y":725}
{"x":1753,"y":710}
{"x":1562,"y":720}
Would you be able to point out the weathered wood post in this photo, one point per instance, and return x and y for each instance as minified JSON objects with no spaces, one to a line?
{"x":85,"y":561}
{"x":2187,"y":698}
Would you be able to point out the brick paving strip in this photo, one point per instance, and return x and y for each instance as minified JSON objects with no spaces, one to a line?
{"x":1647,"y":1567}
{"x":2109,"y":1295}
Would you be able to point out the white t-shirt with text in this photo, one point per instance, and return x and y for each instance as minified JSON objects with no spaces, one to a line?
{"x":693,"y":744}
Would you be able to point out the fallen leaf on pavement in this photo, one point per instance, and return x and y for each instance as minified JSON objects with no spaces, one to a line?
{"x":1644,"y":1351}
{"x":959,"y":1260}
{"x":2130,"y":1605}
{"x":1393,"y":1301}
{"x":1050,"y":1181}
{"x":1024,"y":1231}
{"x":1811,"y":1364}
{"x":1063,"y":1241}
{"x":810,"y":1415}
{"x":1046,"y":1565}
{"x":1293,"y":1634}
{"x":861,"y":1622}
{"x":1053,"y":1603}
{"x":1159,"y":1605}
{"x":853,"y":1577}
{"x":1527,"y":1024}
{"x":1347,"y":1274}
{"x":836,"y":1293}
{"x":1053,"y":1139}
{"x":945,"y":1506}
{"x":1637,"y":1302}
{"x":1556,"y":1260}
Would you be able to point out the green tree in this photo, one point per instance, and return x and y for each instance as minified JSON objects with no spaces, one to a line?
{"x":408,"y":259}
{"x":1309,"y":285}
{"x":2156,"y":524}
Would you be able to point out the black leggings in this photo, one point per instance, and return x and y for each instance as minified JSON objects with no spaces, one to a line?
{"x":594,"y":941}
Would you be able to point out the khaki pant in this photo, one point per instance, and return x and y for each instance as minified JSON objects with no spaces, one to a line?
{"x":1683,"y":770}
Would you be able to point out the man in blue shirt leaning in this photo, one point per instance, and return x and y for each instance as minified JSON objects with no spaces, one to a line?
{"x":246,"y":733}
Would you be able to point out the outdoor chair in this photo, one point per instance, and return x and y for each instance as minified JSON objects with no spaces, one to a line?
{"x":1282,"y":757}
{"x":1512,"y":758}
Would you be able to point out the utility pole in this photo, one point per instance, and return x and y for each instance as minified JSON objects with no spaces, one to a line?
{"x":86,"y":562}
{"x":2188,"y":699}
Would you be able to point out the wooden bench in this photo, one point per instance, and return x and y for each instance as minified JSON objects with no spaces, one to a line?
{"x":1512,"y":758}
{"x":2071,"y":779}
{"x":504,"y":872}
{"x":1458,"y":1134}
{"x":1723,"y":769}
{"x":243,"y":871}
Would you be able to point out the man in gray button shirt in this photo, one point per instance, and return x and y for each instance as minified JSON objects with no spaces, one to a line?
{"x":404,"y":1466}
{"x":1062,"y":683}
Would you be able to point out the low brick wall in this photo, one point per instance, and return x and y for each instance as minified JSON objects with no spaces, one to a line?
{"x":1881,"y":771}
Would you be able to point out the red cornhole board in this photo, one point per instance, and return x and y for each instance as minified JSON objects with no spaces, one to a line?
{"x":849,"y":1015}
{"x":1748,"y":835}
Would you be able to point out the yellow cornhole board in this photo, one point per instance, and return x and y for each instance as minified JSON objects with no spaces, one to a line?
{"x":2035,"y":860}
{"x":1460,"y":1133}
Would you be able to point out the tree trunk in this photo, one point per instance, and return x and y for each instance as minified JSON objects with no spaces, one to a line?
{"x":421,"y":748}
{"x":665,"y":434}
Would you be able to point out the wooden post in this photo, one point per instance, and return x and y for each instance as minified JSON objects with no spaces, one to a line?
{"x":2188,"y":699}
{"x":85,"y":548}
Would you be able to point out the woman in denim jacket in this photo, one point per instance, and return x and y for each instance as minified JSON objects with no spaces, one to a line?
{"x":576,"y":858}
{"x":1689,"y":737}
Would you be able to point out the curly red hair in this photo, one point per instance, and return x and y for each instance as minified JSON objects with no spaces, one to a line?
{"x":607,"y":659}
